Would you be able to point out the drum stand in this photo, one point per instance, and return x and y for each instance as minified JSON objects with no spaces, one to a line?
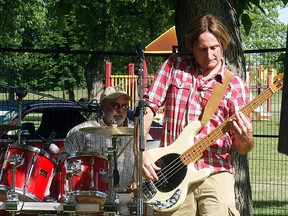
{"x":69,"y":205}
{"x":12,"y":197}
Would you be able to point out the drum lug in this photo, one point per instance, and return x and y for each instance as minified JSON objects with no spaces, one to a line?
{"x":105,"y":174}
{"x":75,"y":167}
{"x":19,"y":160}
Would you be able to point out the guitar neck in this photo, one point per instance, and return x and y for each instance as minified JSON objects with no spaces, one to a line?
{"x":196,"y":151}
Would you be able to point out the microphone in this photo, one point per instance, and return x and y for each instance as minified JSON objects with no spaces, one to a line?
{"x":140,"y":51}
{"x":21,"y":93}
{"x":53,"y":148}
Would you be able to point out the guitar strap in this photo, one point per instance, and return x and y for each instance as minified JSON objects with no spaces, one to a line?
{"x":216,"y":97}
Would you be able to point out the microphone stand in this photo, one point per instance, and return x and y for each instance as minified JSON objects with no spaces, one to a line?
{"x":141,"y":147}
{"x":20,"y":93}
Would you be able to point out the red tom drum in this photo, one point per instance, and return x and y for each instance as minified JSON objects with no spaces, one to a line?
{"x":84,"y":176}
{"x":33,"y":174}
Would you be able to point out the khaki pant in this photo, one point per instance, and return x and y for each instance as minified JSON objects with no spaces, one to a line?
{"x":213,"y":197}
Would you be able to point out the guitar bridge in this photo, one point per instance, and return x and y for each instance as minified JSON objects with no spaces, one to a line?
{"x":149,"y":190}
{"x":168,"y":203}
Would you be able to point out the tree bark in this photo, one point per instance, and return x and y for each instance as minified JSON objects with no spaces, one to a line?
{"x":94,"y":77}
{"x":186,"y":10}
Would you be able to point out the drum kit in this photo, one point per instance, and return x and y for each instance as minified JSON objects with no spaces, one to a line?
{"x":86,"y":180}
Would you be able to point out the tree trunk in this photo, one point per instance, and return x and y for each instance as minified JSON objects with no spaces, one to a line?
{"x":186,"y":10}
{"x":94,"y":77}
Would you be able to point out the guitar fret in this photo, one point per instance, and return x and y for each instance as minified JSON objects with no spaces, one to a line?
{"x":257,"y":102}
{"x":196,"y":151}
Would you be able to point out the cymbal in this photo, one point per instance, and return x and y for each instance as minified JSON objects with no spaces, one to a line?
{"x":109,"y":130}
{"x":4,"y":127}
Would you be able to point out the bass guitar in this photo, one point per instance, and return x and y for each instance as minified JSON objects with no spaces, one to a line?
{"x":177,"y":160}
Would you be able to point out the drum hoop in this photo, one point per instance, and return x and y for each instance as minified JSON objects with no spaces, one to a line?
{"x":99,"y":194}
{"x":47,"y":155}
{"x":33,"y":149}
{"x":26,"y":147}
{"x":76,"y":154}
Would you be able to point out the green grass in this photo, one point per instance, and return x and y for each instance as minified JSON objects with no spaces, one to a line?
{"x":269,"y":178}
{"x":269,"y":168}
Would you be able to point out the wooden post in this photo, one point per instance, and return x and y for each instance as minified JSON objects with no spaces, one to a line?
{"x":268,"y":86}
{"x":131,"y":69}
{"x":132,"y":84}
{"x":108,"y":74}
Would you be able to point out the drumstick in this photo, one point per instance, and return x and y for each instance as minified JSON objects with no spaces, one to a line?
{"x":122,"y":150}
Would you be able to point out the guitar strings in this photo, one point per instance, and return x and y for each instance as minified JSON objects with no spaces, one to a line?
{"x":171,"y":169}
{"x":168,"y":171}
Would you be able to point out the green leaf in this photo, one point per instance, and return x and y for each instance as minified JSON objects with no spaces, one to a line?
{"x":240,"y":6}
{"x":171,"y":19}
{"x":247,"y":23}
{"x":281,"y":58}
{"x":257,"y":3}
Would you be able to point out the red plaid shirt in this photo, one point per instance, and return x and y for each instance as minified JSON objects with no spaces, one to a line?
{"x":179,"y":86}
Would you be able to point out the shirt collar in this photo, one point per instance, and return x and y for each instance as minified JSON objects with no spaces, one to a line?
{"x":219,"y":76}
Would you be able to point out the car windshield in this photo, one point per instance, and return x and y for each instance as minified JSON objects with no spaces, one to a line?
{"x":6,"y":116}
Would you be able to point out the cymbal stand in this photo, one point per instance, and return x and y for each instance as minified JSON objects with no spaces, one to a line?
{"x":116,"y":176}
{"x":20,"y":93}
{"x":113,"y":203}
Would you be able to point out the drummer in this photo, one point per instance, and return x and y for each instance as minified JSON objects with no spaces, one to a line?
{"x":114,"y":104}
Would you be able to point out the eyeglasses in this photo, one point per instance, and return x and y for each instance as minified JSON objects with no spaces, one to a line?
{"x":117,"y":106}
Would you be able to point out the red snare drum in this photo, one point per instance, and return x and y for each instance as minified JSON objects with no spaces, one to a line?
{"x":83,"y":175}
{"x":33,"y":175}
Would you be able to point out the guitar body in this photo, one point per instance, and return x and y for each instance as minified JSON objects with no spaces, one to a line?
{"x":174,"y":177}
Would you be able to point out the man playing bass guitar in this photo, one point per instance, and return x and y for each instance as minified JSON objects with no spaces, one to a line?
{"x":183,"y":85}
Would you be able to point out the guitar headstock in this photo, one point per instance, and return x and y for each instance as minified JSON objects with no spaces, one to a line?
{"x":278,"y":82}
